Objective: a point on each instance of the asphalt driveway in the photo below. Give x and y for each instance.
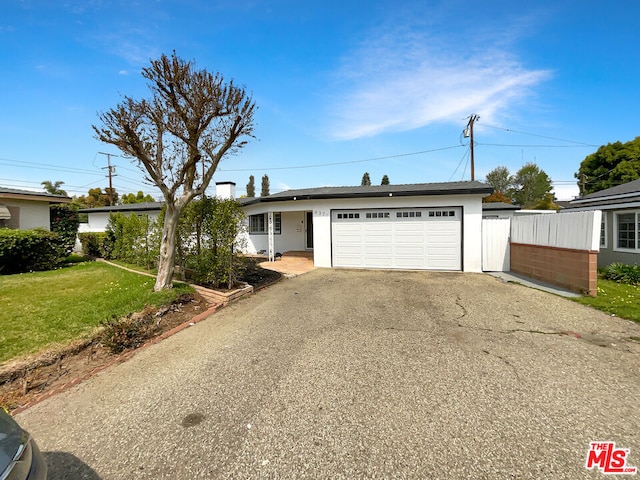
(355, 374)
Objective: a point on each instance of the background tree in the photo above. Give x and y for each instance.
(192, 120)
(546, 203)
(265, 186)
(385, 180)
(95, 197)
(500, 179)
(251, 187)
(496, 197)
(530, 185)
(612, 164)
(140, 197)
(53, 187)
(366, 180)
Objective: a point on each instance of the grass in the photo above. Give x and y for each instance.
(617, 298)
(41, 309)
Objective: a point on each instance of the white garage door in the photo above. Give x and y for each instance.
(415, 238)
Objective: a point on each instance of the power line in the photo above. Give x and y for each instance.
(344, 162)
(531, 146)
(540, 136)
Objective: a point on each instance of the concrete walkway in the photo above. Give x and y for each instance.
(291, 263)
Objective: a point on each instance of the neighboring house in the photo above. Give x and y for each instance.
(421, 226)
(499, 210)
(99, 216)
(24, 210)
(620, 227)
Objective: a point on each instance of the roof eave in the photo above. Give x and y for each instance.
(382, 194)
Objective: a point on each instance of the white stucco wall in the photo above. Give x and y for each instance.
(471, 227)
(291, 238)
(33, 214)
(98, 221)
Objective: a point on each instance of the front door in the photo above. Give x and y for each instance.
(309, 231)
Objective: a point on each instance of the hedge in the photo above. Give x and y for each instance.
(94, 244)
(30, 250)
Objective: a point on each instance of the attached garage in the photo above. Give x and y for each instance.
(403, 238)
(422, 226)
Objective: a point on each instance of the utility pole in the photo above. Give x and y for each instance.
(468, 133)
(583, 184)
(111, 174)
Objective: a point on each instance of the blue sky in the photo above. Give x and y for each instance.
(341, 87)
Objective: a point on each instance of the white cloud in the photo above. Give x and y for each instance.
(123, 72)
(406, 80)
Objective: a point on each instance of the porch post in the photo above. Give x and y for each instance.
(272, 253)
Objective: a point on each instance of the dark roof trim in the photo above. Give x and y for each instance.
(130, 207)
(378, 191)
(626, 190)
(500, 206)
(16, 194)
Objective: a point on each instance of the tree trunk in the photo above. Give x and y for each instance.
(167, 259)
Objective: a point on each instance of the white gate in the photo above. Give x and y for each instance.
(495, 244)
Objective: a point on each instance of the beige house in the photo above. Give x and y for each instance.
(24, 210)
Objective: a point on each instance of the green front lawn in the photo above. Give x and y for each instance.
(620, 299)
(41, 309)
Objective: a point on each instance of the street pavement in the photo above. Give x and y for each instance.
(360, 374)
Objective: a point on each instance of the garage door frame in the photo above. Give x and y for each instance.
(458, 233)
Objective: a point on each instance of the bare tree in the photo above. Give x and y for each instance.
(179, 136)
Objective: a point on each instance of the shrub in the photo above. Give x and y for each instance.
(94, 244)
(207, 243)
(122, 334)
(30, 250)
(65, 222)
(622, 273)
(135, 239)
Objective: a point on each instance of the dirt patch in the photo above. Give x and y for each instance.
(27, 380)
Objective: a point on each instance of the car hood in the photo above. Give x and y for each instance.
(11, 437)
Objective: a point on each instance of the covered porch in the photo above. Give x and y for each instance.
(272, 233)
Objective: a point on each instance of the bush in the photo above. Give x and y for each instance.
(622, 273)
(122, 334)
(135, 239)
(207, 241)
(65, 222)
(30, 250)
(94, 244)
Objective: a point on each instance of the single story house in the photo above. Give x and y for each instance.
(620, 227)
(499, 210)
(98, 217)
(24, 210)
(420, 226)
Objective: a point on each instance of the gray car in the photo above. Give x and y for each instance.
(20, 457)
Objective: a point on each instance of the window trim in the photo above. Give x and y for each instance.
(616, 215)
(277, 224)
(604, 240)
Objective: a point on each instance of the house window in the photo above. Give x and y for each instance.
(627, 231)
(603, 230)
(259, 223)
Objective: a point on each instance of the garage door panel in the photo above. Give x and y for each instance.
(421, 238)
